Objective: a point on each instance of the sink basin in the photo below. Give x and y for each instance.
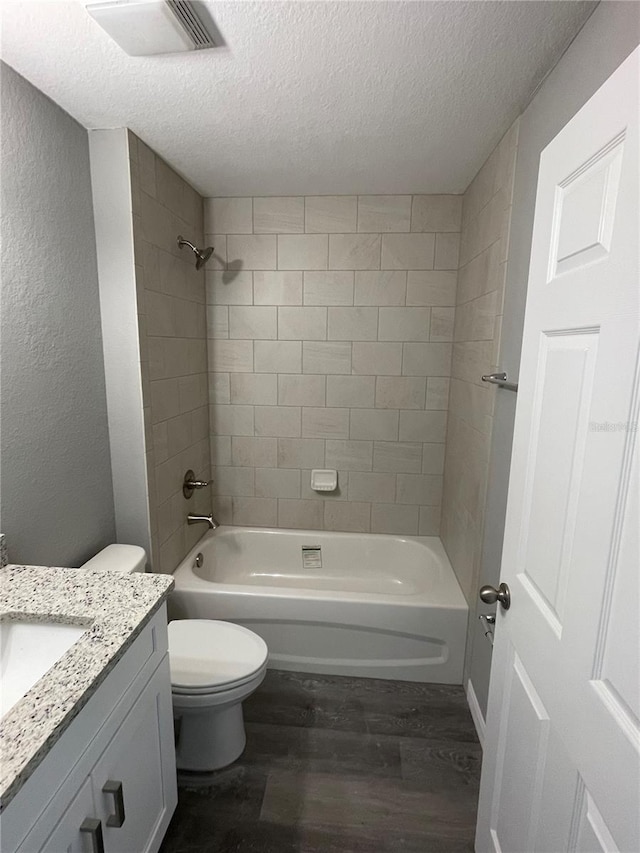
(27, 651)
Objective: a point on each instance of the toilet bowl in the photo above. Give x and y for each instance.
(214, 667)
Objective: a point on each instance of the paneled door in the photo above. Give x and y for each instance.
(562, 752)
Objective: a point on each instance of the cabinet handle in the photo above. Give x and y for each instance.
(93, 827)
(115, 788)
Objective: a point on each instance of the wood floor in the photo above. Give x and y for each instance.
(340, 765)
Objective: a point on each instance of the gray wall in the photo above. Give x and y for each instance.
(608, 37)
(56, 493)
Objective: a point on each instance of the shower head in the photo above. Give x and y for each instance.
(202, 255)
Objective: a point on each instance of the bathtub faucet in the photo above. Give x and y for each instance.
(192, 518)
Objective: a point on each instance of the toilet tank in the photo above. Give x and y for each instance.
(118, 558)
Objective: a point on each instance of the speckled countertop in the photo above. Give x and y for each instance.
(115, 608)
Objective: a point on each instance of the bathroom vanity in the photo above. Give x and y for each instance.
(87, 760)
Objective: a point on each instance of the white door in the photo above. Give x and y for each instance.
(562, 751)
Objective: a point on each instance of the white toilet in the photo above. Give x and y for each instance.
(214, 666)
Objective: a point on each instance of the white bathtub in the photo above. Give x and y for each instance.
(379, 606)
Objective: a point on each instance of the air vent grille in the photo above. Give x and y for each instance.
(191, 23)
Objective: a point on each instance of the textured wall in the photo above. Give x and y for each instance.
(173, 350)
(481, 279)
(330, 322)
(57, 500)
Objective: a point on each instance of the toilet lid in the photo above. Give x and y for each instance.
(207, 653)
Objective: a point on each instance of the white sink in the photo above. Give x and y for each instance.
(27, 651)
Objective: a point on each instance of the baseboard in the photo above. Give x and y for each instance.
(476, 713)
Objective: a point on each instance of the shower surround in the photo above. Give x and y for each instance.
(330, 328)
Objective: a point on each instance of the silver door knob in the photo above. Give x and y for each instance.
(489, 594)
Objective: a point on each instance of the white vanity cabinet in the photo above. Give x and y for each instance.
(109, 784)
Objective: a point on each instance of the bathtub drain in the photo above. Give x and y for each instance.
(311, 557)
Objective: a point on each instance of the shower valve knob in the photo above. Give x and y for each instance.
(189, 484)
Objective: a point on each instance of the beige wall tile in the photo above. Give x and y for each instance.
(326, 357)
(349, 455)
(419, 489)
(250, 452)
(252, 252)
(387, 287)
(277, 288)
(380, 213)
(426, 359)
(348, 516)
(219, 388)
(433, 459)
(229, 215)
(374, 425)
(431, 287)
(302, 252)
(423, 426)
(397, 457)
(373, 487)
(217, 321)
(437, 393)
(231, 356)
(400, 392)
(253, 323)
(255, 512)
(277, 483)
(354, 252)
(394, 519)
(231, 420)
(441, 328)
(331, 214)
(278, 421)
(300, 453)
(254, 389)
(283, 215)
(227, 288)
(353, 324)
(408, 251)
(300, 515)
(436, 213)
(351, 391)
(302, 324)
(429, 521)
(404, 324)
(447, 247)
(301, 390)
(325, 423)
(328, 288)
(380, 359)
(233, 481)
(278, 356)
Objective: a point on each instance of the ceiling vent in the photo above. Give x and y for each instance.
(151, 27)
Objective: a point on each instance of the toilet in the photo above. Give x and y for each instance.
(214, 666)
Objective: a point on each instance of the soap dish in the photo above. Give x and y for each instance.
(324, 480)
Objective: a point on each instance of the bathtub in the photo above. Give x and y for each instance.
(335, 603)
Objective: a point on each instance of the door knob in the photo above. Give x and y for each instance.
(489, 594)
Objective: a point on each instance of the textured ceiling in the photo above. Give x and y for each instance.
(308, 97)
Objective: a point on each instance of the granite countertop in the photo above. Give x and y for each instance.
(114, 607)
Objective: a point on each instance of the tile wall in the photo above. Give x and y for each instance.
(484, 243)
(330, 322)
(173, 349)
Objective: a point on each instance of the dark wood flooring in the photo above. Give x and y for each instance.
(339, 765)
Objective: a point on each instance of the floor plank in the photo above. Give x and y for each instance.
(339, 764)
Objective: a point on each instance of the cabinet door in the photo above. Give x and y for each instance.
(67, 837)
(137, 769)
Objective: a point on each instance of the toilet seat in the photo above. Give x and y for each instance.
(208, 656)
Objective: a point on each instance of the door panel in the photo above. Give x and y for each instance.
(561, 769)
